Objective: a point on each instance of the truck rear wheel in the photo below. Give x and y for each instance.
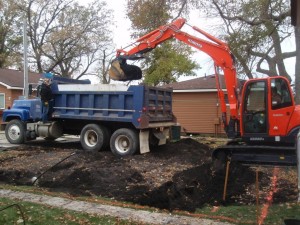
(124, 142)
(94, 137)
(15, 132)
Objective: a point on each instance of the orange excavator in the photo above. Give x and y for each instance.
(261, 128)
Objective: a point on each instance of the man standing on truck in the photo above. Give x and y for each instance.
(46, 96)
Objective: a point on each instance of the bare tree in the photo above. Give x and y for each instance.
(105, 65)
(66, 37)
(10, 34)
(255, 31)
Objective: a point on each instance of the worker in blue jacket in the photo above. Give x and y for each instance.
(46, 96)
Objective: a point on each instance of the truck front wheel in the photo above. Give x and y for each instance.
(124, 142)
(15, 132)
(93, 137)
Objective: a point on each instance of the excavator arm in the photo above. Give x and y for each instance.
(215, 48)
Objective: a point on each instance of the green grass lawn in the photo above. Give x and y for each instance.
(40, 214)
(248, 214)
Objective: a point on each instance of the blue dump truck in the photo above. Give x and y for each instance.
(125, 118)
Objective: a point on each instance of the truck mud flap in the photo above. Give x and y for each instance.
(161, 136)
(144, 135)
(144, 141)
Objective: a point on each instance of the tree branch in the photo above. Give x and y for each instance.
(181, 9)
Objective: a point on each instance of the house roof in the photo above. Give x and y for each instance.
(14, 79)
(207, 83)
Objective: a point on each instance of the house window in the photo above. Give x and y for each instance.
(2, 101)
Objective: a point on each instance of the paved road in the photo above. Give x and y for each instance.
(4, 144)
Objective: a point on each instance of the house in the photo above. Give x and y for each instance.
(11, 86)
(196, 105)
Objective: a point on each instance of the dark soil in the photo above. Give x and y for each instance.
(175, 176)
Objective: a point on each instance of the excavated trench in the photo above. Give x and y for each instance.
(175, 176)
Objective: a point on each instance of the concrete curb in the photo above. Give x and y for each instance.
(107, 210)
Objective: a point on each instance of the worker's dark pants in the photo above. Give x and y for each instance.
(46, 110)
(50, 111)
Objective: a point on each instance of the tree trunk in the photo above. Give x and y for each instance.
(297, 67)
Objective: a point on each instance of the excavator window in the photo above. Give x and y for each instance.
(280, 95)
(254, 116)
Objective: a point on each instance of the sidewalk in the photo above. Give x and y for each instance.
(107, 210)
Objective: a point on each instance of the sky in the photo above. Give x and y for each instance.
(122, 23)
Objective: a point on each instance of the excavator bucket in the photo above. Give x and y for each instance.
(121, 71)
(115, 72)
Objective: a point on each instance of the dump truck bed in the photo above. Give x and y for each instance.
(139, 104)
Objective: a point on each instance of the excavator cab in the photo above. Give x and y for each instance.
(266, 109)
(269, 124)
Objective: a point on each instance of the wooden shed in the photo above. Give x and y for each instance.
(196, 105)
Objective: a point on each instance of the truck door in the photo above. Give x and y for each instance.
(280, 107)
(254, 108)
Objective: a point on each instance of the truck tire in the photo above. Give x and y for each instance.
(94, 137)
(124, 142)
(15, 132)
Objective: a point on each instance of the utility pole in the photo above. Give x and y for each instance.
(295, 16)
(295, 19)
(25, 44)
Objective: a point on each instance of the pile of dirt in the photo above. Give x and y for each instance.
(174, 176)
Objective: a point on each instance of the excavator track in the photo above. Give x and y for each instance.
(257, 154)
